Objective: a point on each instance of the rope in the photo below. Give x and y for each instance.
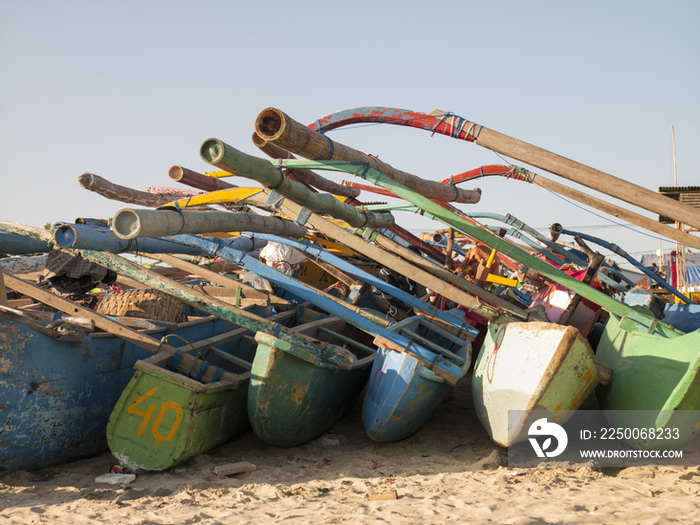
(177, 209)
(202, 370)
(363, 175)
(444, 116)
(218, 372)
(174, 361)
(332, 148)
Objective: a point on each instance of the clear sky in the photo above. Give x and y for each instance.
(127, 89)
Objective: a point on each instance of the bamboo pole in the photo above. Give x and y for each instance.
(221, 155)
(130, 224)
(308, 176)
(279, 129)
(521, 174)
(196, 298)
(393, 255)
(615, 211)
(115, 192)
(197, 180)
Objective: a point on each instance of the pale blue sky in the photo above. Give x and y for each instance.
(127, 89)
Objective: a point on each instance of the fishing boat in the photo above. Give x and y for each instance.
(188, 409)
(403, 392)
(165, 415)
(647, 344)
(44, 428)
(60, 388)
(447, 370)
(294, 396)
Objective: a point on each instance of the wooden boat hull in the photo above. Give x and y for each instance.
(401, 396)
(656, 383)
(164, 417)
(58, 393)
(531, 366)
(293, 396)
(403, 392)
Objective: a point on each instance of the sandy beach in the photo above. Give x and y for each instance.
(449, 472)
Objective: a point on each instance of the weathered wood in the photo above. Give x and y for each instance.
(229, 469)
(575, 171)
(279, 129)
(128, 223)
(594, 263)
(335, 272)
(197, 180)
(448, 251)
(3, 295)
(616, 211)
(141, 340)
(115, 192)
(436, 280)
(222, 280)
(309, 177)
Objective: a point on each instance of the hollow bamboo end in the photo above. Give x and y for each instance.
(212, 151)
(269, 123)
(258, 141)
(126, 224)
(176, 173)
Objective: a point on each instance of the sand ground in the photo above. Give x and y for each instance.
(449, 472)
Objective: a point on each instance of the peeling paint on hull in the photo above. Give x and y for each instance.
(294, 397)
(57, 395)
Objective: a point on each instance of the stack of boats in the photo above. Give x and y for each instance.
(342, 305)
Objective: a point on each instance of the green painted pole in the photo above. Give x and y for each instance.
(225, 157)
(439, 213)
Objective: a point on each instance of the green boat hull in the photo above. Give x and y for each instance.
(164, 418)
(294, 396)
(656, 383)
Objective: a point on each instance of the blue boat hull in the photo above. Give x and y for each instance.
(401, 396)
(58, 394)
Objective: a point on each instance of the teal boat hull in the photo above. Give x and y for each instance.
(294, 396)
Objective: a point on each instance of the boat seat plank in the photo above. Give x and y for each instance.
(347, 340)
(412, 335)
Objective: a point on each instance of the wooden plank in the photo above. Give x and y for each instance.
(435, 281)
(219, 279)
(580, 173)
(141, 340)
(3, 295)
(617, 211)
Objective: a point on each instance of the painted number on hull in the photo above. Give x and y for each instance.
(148, 415)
